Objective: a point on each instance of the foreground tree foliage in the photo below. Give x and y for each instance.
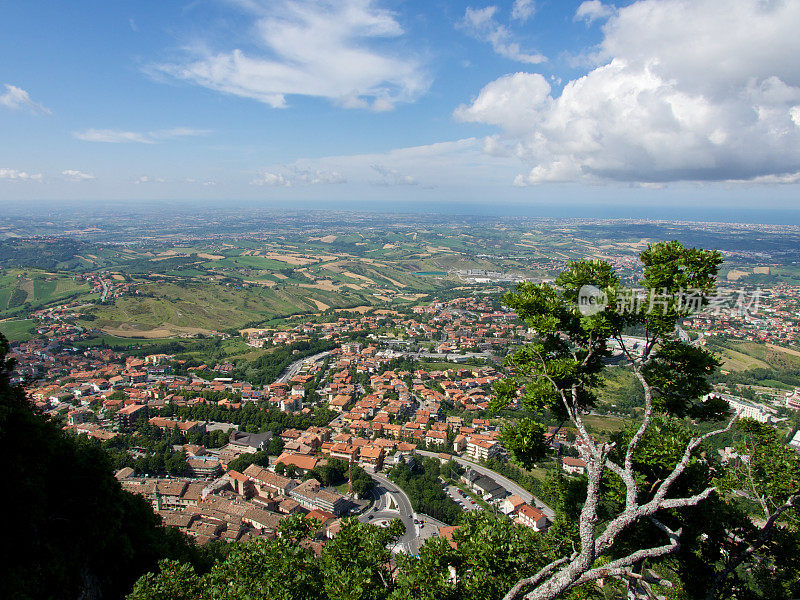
(487, 555)
(71, 531)
(643, 490)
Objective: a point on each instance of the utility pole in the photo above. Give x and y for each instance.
(350, 476)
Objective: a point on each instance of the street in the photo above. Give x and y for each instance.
(295, 367)
(392, 503)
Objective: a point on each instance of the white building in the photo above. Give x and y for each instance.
(793, 399)
(746, 408)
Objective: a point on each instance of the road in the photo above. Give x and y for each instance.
(105, 290)
(294, 368)
(392, 503)
(509, 485)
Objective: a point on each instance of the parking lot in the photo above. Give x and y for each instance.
(463, 500)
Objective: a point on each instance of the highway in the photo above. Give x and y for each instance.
(511, 486)
(392, 503)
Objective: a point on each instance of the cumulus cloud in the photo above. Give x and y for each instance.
(391, 177)
(117, 136)
(18, 99)
(683, 90)
(74, 175)
(334, 50)
(593, 10)
(297, 176)
(15, 175)
(480, 23)
(148, 179)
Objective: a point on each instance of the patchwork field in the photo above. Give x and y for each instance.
(31, 290)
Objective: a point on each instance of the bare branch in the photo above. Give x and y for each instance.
(693, 444)
(616, 568)
(760, 497)
(531, 581)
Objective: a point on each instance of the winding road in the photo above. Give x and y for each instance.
(392, 503)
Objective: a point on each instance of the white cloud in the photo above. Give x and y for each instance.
(271, 179)
(593, 10)
(116, 136)
(74, 175)
(480, 23)
(15, 175)
(297, 176)
(523, 10)
(391, 177)
(334, 50)
(18, 99)
(148, 179)
(683, 90)
(460, 164)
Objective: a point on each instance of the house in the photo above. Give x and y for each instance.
(241, 483)
(193, 493)
(339, 402)
(447, 533)
(483, 449)
(311, 496)
(371, 455)
(204, 466)
(262, 520)
(130, 416)
(344, 451)
(301, 462)
(531, 517)
(171, 424)
(486, 486)
(573, 466)
(436, 438)
(168, 494)
(268, 484)
(511, 504)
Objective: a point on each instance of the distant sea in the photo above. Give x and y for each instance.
(567, 210)
(547, 210)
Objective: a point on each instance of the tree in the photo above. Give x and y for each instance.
(767, 473)
(74, 532)
(487, 555)
(352, 566)
(575, 321)
(240, 463)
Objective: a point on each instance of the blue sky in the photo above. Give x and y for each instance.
(521, 101)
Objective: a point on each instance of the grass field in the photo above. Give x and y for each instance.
(744, 355)
(175, 308)
(18, 331)
(604, 425)
(36, 289)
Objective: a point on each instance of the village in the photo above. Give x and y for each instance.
(221, 458)
(367, 412)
